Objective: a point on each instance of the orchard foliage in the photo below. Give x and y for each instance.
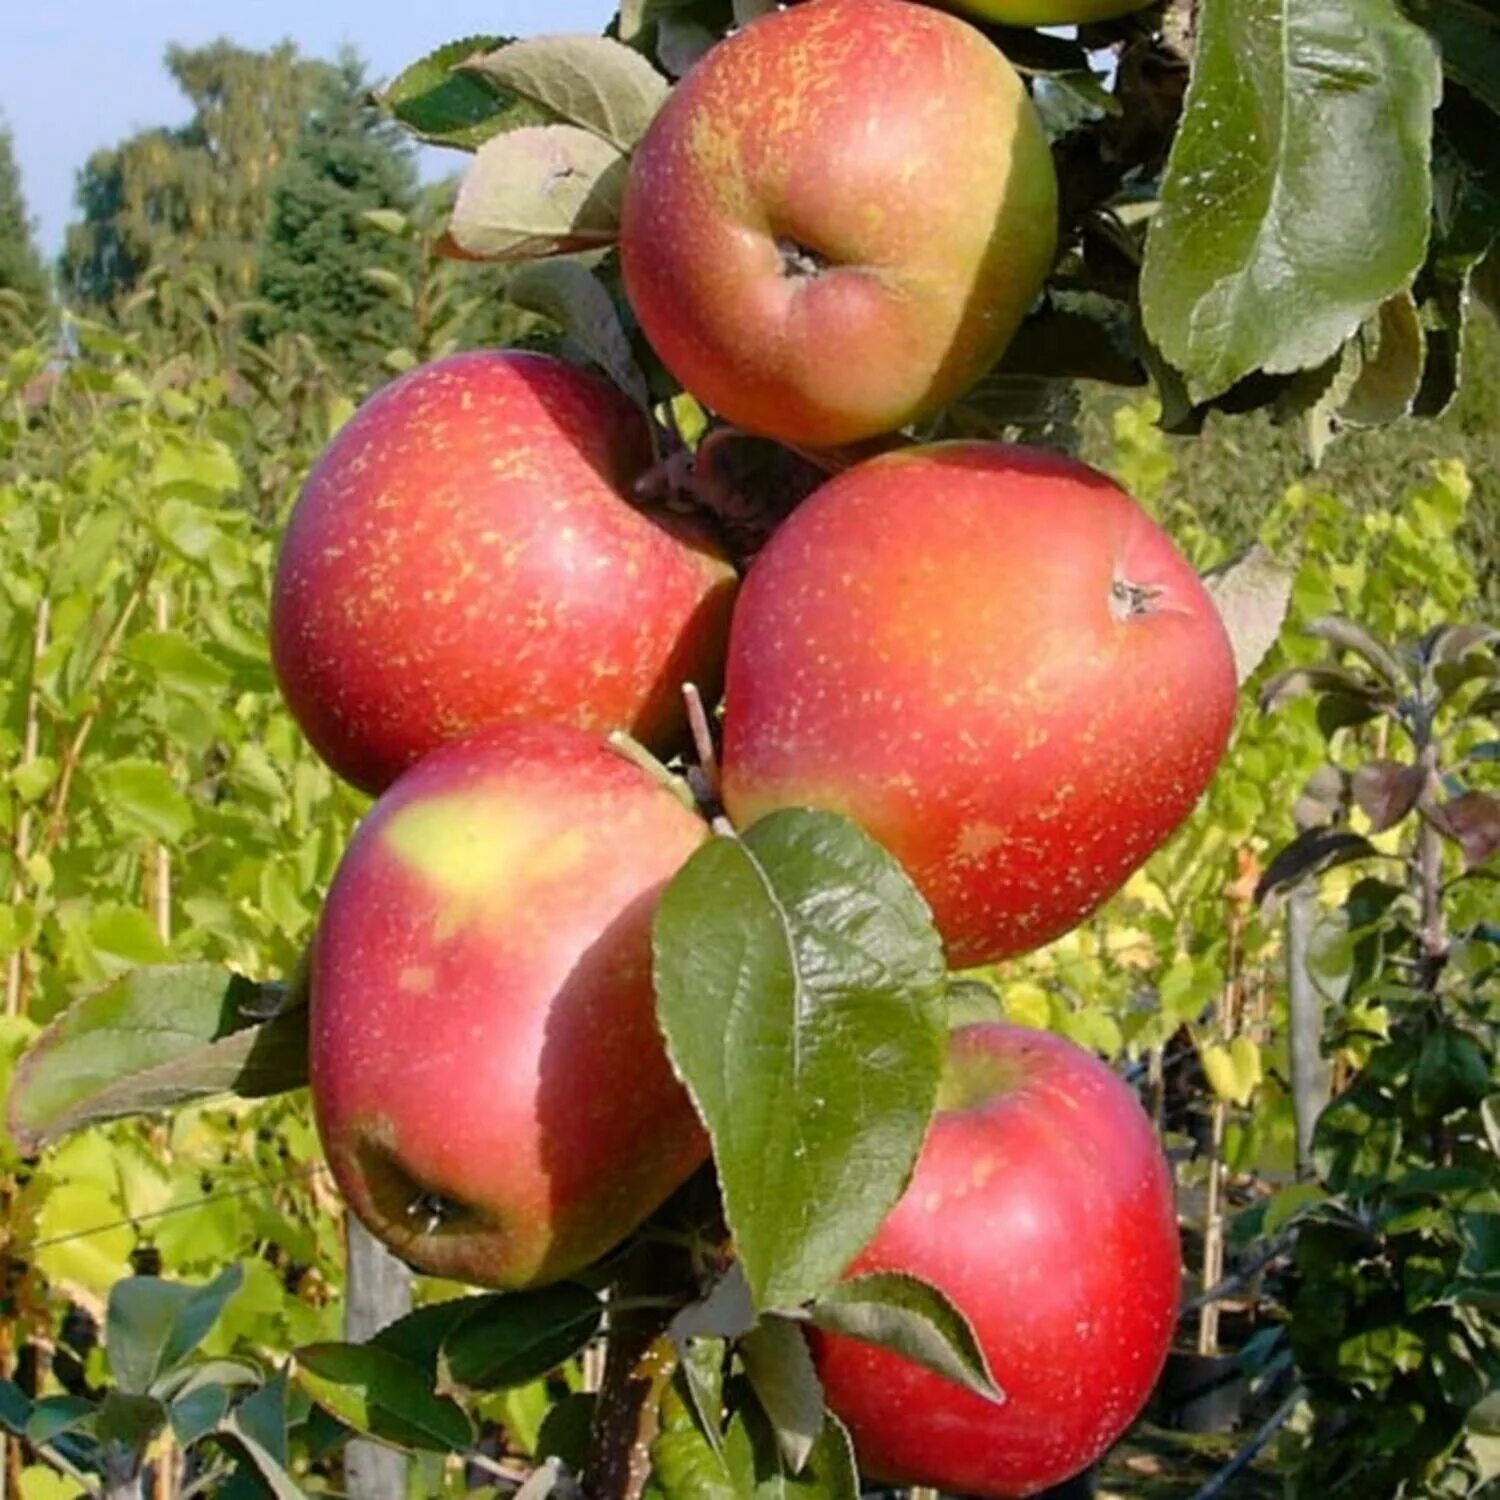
(1290, 209)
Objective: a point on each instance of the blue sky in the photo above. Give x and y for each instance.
(79, 74)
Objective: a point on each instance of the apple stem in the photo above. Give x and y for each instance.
(638, 755)
(703, 741)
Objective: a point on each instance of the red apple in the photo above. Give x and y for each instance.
(488, 1080)
(1042, 1206)
(464, 550)
(993, 660)
(838, 218)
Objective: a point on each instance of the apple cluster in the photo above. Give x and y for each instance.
(988, 657)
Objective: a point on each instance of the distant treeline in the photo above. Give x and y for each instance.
(263, 201)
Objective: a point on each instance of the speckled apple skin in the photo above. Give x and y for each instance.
(1045, 1211)
(463, 550)
(898, 144)
(930, 646)
(483, 1025)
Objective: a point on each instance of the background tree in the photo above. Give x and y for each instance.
(197, 196)
(348, 161)
(20, 264)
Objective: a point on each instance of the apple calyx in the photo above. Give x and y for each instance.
(1127, 599)
(798, 262)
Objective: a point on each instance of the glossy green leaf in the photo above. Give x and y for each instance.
(153, 1039)
(800, 986)
(438, 101)
(512, 1338)
(1310, 853)
(381, 1395)
(913, 1318)
(592, 82)
(1297, 192)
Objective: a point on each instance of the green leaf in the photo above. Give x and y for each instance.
(1469, 36)
(1313, 851)
(1296, 682)
(592, 82)
(575, 299)
(701, 1362)
(1345, 635)
(916, 1320)
(379, 1394)
(687, 1463)
(760, 1471)
(89, 551)
(258, 1425)
(780, 1368)
(189, 529)
(1297, 193)
(1233, 1069)
(389, 221)
(176, 660)
(1452, 1073)
(1252, 593)
(15, 1407)
(141, 797)
(446, 106)
(152, 1325)
(197, 1413)
(394, 286)
(54, 1415)
(418, 1336)
(541, 190)
(1393, 350)
(205, 467)
(800, 986)
(971, 1000)
(132, 1422)
(33, 779)
(153, 1039)
(565, 1429)
(517, 1337)
(229, 1373)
